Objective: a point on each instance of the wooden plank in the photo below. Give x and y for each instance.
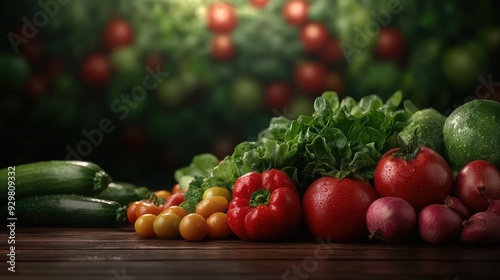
(256, 269)
(268, 253)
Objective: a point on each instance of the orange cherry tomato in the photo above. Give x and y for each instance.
(217, 226)
(176, 210)
(193, 227)
(212, 205)
(167, 225)
(144, 226)
(176, 189)
(163, 194)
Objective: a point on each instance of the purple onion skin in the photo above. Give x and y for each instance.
(458, 206)
(438, 224)
(482, 228)
(494, 206)
(391, 219)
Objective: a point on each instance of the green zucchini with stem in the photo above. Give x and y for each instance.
(52, 177)
(124, 193)
(63, 210)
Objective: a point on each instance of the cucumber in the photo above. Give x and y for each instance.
(124, 193)
(53, 177)
(66, 211)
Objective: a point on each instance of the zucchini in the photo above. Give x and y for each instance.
(124, 193)
(54, 177)
(67, 211)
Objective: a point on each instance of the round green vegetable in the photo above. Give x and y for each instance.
(471, 133)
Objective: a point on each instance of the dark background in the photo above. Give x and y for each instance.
(53, 94)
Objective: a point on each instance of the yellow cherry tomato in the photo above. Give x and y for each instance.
(217, 191)
(167, 225)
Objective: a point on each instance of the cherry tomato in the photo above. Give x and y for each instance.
(131, 216)
(36, 86)
(118, 33)
(147, 208)
(144, 226)
(314, 36)
(311, 78)
(217, 191)
(32, 50)
(332, 52)
(163, 194)
(221, 17)
(259, 3)
(96, 70)
(176, 189)
(167, 225)
(134, 137)
(193, 227)
(174, 200)
(390, 45)
(222, 47)
(217, 226)
(212, 205)
(335, 82)
(295, 12)
(278, 95)
(176, 210)
(155, 61)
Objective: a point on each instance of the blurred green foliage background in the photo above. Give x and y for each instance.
(140, 87)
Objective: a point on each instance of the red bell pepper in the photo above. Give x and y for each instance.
(265, 206)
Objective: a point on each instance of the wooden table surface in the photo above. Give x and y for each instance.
(119, 254)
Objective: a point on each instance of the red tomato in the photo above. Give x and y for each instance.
(335, 210)
(390, 45)
(311, 78)
(36, 87)
(278, 95)
(314, 36)
(335, 82)
(146, 207)
(131, 216)
(259, 3)
(96, 70)
(32, 50)
(133, 137)
(222, 47)
(295, 12)
(155, 61)
(54, 69)
(332, 52)
(118, 33)
(221, 17)
(426, 179)
(174, 200)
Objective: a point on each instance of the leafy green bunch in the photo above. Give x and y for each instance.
(341, 139)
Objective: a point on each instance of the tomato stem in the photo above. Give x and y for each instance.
(408, 150)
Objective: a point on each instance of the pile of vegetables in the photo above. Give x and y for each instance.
(367, 169)
(352, 171)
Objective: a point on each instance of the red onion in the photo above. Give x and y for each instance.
(476, 183)
(481, 228)
(391, 219)
(438, 224)
(494, 206)
(456, 205)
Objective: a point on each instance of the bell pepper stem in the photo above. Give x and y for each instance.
(259, 197)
